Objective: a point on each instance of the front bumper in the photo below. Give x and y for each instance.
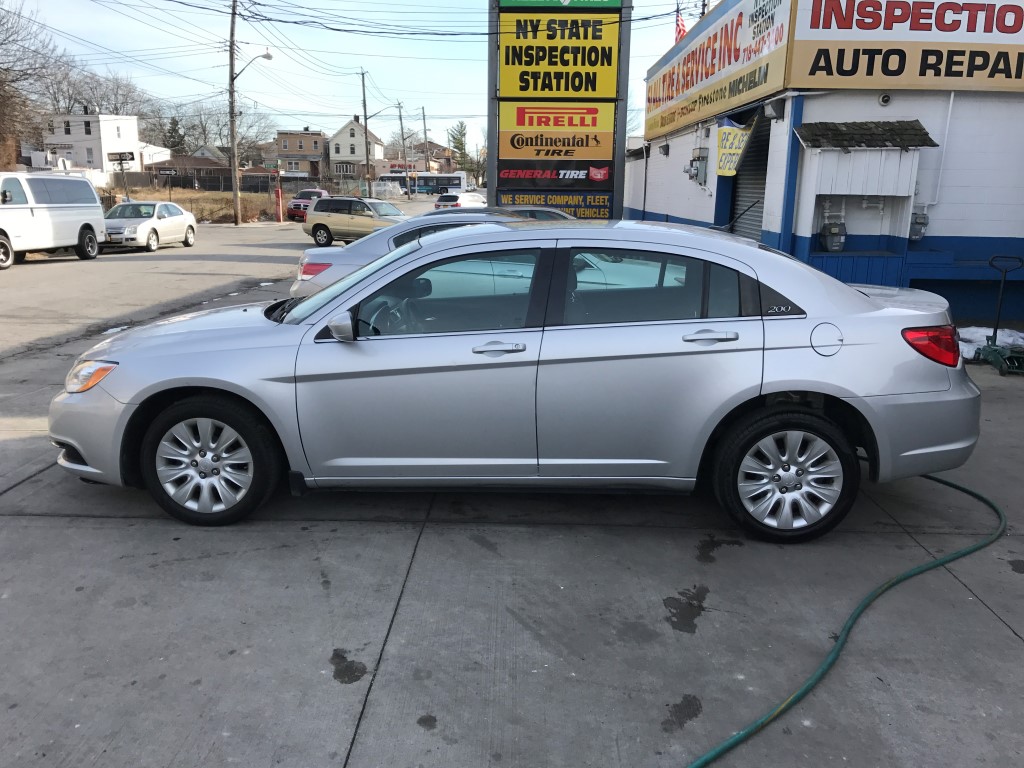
(87, 428)
(124, 240)
(918, 434)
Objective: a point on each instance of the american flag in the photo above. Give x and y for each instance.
(680, 26)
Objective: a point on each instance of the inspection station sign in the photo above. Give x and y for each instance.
(890, 44)
(538, 130)
(734, 55)
(558, 54)
(589, 5)
(557, 67)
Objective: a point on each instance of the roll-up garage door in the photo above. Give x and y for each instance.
(751, 178)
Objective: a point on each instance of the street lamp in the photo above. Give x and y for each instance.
(235, 182)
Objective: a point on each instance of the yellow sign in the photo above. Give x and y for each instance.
(552, 55)
(735, 55)
(732, 140)
(538, 130)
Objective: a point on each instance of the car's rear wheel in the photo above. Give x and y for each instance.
(190, 237)
(208, 460)
(88, 246)
(152, 241)
(786, 477)
(6, 253)
(322, 236)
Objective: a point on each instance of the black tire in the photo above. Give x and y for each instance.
(251, 482)
(7, 257)
(442, 191)
(88, 246)
(322, 236)
(152, 241)
(190, 237)
(804, 478)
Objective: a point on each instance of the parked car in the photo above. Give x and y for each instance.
(540, 212)
(460, 200)
(147, 224)
(474, 358)
(46, 211)
(348, 218)
(319, 267)
(297, 206)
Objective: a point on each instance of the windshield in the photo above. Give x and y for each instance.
(385, 209)
(130, 211)
(313, 303)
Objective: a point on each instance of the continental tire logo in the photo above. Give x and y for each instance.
(523, 141)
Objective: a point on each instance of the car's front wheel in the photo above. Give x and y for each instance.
(786, 477)
(88, 246)
(209, 460)
(152, 241)
(190, 237)
(322, 236)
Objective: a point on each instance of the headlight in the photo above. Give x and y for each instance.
(87, 375)
(130, 231)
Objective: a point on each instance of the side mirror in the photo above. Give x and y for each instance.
(6, 197)
(340, 327)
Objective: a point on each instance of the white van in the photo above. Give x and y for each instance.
(43, 211)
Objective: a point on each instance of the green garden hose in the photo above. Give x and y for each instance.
(789, 702)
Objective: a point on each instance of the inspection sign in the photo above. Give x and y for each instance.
(558, 54)
(557, 119)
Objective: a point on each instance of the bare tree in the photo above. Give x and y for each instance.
(25, 50)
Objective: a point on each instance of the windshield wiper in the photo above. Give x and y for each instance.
(278, 314)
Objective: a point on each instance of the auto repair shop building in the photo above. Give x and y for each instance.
(878, 141)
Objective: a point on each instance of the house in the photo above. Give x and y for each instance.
(301, 153)
(212, 152)
(440, 158)
(189, 165)
(86, 141)
(348, 150)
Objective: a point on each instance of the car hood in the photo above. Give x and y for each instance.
(211, 327)
(127, 222)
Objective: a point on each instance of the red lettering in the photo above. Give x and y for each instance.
(942, 13)
(921, 17)
(869, 15)
(896, 13)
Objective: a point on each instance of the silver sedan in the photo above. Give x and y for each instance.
(578, 355)
(148, 224)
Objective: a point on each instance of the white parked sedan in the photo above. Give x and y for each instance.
(147, 224)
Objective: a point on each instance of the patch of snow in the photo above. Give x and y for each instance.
(114, 330)
(263, 284)
(972, 338)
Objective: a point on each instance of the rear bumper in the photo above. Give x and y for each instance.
(927, 432)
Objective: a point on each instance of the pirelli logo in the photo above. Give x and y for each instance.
(556, 117)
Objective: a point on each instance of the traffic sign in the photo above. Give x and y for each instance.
(168, 171)
(120, 156)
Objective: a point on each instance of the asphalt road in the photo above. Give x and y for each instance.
(460, 629)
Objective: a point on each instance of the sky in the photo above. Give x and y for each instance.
(430, 57)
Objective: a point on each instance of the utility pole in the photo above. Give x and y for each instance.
(233, 134)
(405, 157)
(366, 137)
(426, 168)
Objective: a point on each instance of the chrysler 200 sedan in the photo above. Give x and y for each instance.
(482, 358)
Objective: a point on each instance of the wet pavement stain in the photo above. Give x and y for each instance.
(325, 583)
(636, 632)
(682, 713)
(422, 674)
(1017, 565)
(427, 722)
(346, 672)
(707, 547)
(484, 542)
(684, 610)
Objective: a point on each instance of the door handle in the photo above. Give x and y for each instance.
(495, 348)
(708, 337)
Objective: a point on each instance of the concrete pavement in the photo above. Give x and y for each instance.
(453, 629)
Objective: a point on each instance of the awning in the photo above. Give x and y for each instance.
(894, 134)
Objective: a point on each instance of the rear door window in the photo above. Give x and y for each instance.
(17, 193)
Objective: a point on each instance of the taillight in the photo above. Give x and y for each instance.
(311, 269)
(937, 343)
(457, 205)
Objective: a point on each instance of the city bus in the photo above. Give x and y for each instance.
(428, 183)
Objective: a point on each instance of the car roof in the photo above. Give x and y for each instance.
(469, 211)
